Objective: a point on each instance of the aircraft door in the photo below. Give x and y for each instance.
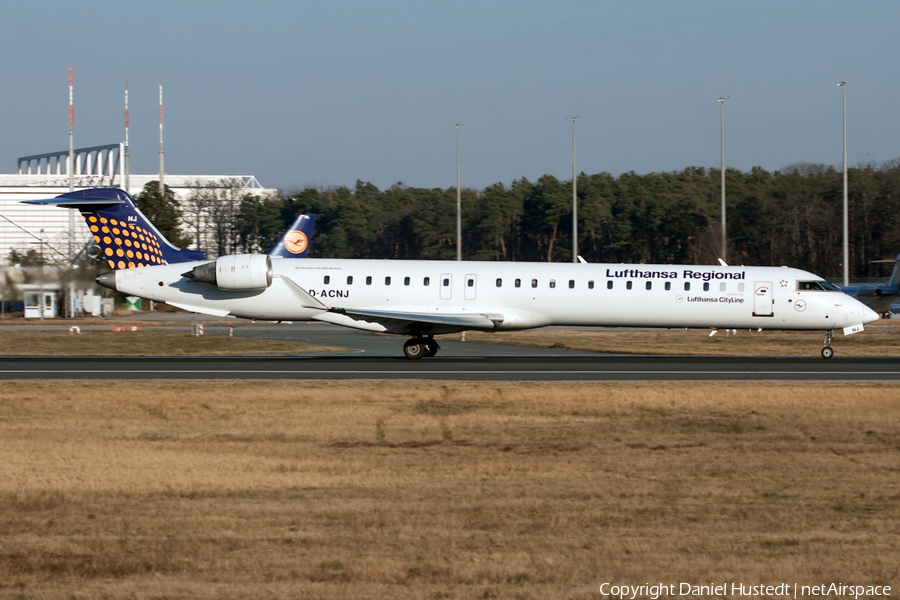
(471, 280)
(446, 286)
(762, 299)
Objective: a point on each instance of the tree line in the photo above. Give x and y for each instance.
(787, 217)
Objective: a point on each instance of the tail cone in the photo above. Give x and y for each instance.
(107, 280)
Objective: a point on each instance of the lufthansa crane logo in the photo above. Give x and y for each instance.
(296, 242)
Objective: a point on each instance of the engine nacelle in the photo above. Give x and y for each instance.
(235, 272)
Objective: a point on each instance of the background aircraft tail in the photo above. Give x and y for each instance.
(297, 239)
(894, 281)
(123, 236)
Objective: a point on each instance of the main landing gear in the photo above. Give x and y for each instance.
(827, 351)
(419, 347)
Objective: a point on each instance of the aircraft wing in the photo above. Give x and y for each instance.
(422, 323)
(413, 323)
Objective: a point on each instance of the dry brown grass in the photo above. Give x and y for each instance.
(142, 343)
(430, 490)
(879, 339)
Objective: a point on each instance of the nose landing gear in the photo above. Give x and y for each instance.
(419, 347)
(827, 351)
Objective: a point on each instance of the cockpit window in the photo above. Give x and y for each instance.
(816, 286)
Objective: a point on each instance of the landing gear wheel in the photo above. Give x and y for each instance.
(415, 348)
(431, 347)
(827, 352)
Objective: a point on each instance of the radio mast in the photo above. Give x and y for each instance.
(71, 166)
(126, 160)
(161, 169)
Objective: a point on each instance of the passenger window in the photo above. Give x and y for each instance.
(349, 279)
(387, 281)
(369, 280)
(406, 281)
(518, 283)
(446, 282)
(426, 281)
(591, 284)
(668, 285)
(609, 284)
(649, 285)
(722, 287)
(499, 282)
(706, 286)
(687, 286)
(327, 279)
(571, 284)
(628, 285)
(470, 283)
(552, 284)
(534, 283)
(740, 287)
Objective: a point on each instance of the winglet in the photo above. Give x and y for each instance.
(306, 300)
(723, 263)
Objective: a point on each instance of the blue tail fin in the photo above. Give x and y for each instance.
(297, 239)
(894, 281)
(124, 236)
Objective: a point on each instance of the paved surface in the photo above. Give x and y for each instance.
(368, 344)
(370, 356)
(513, 368)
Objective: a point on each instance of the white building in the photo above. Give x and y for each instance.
(60, 233)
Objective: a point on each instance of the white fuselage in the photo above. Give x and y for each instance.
(546, 294)
(516, 295)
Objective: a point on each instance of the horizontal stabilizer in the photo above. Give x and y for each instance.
(87, 204)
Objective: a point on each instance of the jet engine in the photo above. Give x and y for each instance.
(235, 272)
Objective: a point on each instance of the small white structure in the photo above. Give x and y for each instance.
(40, 300)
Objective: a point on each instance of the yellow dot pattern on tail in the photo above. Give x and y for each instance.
(131, 245)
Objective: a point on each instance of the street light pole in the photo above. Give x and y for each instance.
(724, 230)
(458, 201)
(574, 197)
(843, 86)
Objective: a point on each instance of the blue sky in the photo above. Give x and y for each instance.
(324, 93)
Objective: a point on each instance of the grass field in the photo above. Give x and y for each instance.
(429, 490)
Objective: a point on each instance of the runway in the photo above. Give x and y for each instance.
(483, 368)
(379, 357)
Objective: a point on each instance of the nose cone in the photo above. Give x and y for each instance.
(869, 315)
(108, 280)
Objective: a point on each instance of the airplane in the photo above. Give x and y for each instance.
(424, 298)
(880, 297)
(125, 238)
(421, 298)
